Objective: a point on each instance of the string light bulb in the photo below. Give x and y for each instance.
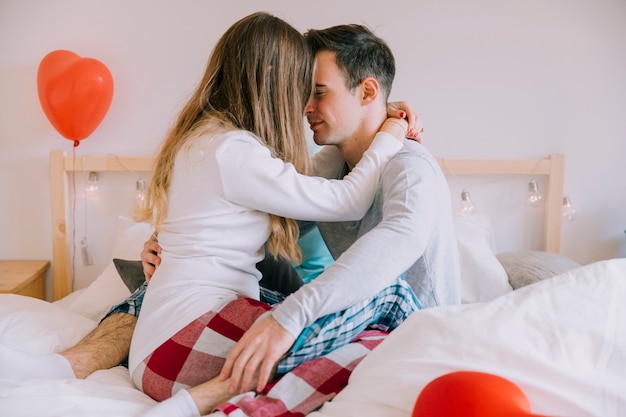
(467, 205)
(534, 196)
(140, 197)
(92, 183)
(569, 211)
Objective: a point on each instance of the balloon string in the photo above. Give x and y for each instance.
(73, 217)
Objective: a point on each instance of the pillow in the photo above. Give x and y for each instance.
(108, 289)
(483, 278)
(527, 267)
(38, 327)
(131, 273)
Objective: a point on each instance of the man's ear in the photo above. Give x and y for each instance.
(369, 89)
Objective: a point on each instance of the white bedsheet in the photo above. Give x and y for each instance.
(563, 341)
(107, 393)
(38, 327)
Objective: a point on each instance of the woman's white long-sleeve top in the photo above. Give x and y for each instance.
(223, 187)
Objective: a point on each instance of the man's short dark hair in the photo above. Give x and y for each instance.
(359, 54)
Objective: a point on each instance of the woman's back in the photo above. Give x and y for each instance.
(210, 244)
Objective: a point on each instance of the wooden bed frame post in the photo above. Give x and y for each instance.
(58, 203)
(554, 204)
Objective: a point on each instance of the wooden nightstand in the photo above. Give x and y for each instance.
(24, 278)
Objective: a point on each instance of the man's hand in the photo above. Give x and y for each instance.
(402, 110)
(150, 256)
(256, 355)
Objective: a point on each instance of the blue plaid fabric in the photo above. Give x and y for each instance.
(385, 311)
(270, 296)
(131, 305)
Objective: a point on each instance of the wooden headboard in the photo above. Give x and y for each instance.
(552, 167)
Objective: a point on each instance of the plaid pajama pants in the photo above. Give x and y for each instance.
(308, 386)
(197, 352)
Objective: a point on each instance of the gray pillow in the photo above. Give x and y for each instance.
(527, 267)
(131, 273)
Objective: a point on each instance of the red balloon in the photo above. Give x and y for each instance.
(472, 394)
(75, 93)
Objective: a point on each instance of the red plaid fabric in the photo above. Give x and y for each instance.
(197, 352)
(307, 386)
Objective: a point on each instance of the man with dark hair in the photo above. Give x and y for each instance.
(407, 233)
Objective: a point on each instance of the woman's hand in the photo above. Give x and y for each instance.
(402, 110)
(396, 127)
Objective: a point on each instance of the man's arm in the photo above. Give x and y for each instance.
(380, 255)
(372, 263)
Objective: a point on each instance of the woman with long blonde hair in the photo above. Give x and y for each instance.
(228, 182)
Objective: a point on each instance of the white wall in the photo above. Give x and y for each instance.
(491, 78)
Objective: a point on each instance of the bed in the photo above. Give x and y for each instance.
(534, 317)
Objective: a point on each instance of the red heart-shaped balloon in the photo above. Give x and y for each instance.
(75, 93)
(472, 394)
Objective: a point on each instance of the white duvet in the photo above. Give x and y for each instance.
(562, 341)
